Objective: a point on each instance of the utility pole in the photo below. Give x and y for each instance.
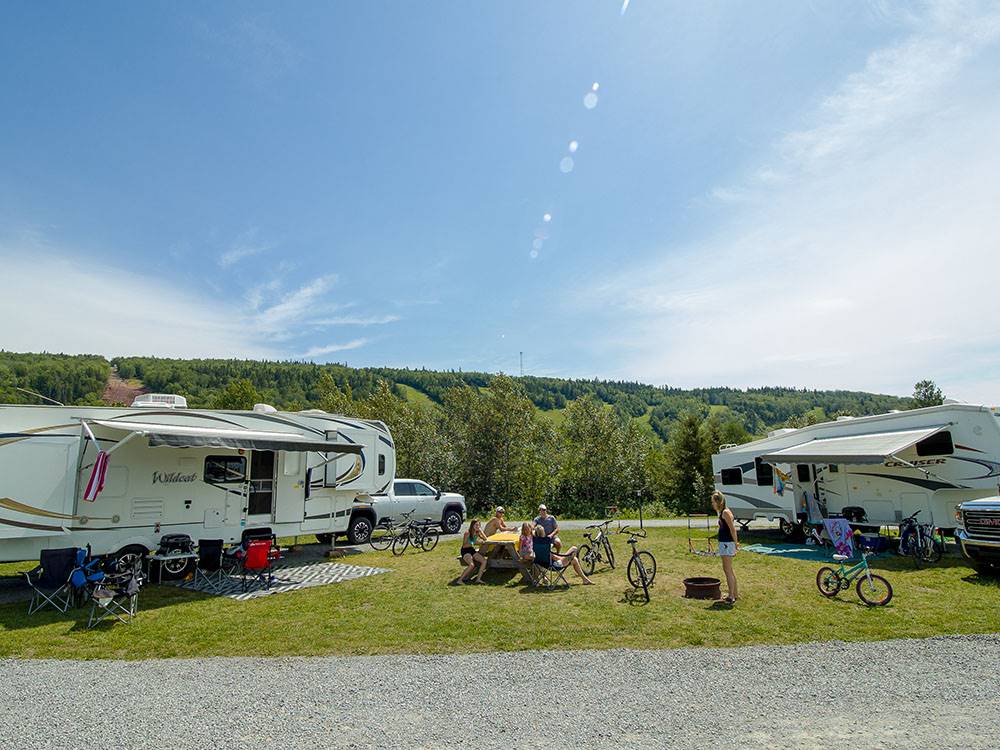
(522, 363)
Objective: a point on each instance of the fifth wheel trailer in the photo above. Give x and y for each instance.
(205, 473)
(875, 469)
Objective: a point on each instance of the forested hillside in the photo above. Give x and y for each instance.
(579, 445)
(294, 385)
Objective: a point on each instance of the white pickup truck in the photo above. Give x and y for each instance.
(979, 534)
(426, 502)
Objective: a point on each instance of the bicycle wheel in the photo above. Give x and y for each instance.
(609, 550)
(588, 559)
(648, 563)
(381, 539)
(828, 581)
(932, 549)
(875, 593)
(429, 540)
(400, 543)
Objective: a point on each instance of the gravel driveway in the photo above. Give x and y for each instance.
(941, 693)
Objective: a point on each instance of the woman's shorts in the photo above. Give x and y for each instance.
(727, 549)
(467, 551)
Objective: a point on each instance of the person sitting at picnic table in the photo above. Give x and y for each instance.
(525, 545)
(470, 555)
(569, 558)
(497, 523)
(551, 526)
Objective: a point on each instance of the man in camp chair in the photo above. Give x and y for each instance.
(550, 568)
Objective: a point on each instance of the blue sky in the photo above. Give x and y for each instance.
(760, 193)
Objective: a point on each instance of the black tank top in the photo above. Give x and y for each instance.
(725, 535)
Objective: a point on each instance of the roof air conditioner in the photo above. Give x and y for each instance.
(159, 401)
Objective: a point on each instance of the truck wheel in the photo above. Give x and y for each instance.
(787, 527)
(360, 530)
(177, 570)
(452, 522)
(130, 557)
(324, 538)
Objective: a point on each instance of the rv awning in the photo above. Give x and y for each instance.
(873, 448)
(184, 436)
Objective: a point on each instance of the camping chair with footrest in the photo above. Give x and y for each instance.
(117, 595)
(50, 579)
(549, 572)
(257, 562)
(209, 566)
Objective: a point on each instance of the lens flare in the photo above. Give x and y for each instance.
(590, 100)
(573, 146)
(566, 165)
(547, 218)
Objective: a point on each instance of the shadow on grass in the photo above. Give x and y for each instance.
(981, 579)
(635, 597)
(16, 617)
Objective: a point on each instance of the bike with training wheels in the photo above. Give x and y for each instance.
(598, 549)
(641, 565)
(873, 590)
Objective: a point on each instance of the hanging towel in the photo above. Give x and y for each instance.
(779, 484)
(97, 476)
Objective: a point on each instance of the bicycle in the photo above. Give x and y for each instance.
(873, 590)
(917, 540)
(390, 530)
(641, 565)
(599, 549)
(421, 534)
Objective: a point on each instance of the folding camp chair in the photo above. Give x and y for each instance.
(549, 572)
(117, 596)
(50, 579)
(256, 563)
(232, 559)
(86, 576)
(209, 567)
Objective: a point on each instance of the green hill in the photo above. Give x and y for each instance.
(294, 385)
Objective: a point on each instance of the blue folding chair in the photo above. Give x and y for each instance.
(551, 572)
(85, 576)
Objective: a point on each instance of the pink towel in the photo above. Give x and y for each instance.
(96, 483)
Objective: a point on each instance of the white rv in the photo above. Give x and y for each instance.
(873, 470)
(208, 474)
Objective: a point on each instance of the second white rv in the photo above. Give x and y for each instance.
(873, 470)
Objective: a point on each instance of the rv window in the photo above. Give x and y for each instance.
(732, 476)
(765, 474)
(381, 464)
(938, 444)
(802, 470)
(225, 469)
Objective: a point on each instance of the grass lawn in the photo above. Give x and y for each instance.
(413, 609)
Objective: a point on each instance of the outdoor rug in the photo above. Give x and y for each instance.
(795, 551)
(286, 578)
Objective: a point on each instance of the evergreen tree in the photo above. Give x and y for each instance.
(926, 393)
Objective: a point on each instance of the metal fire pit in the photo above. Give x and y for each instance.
(702, 588)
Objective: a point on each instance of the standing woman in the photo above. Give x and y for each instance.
(728, 543)
(470, 555)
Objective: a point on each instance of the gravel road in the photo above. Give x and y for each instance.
(940, 693)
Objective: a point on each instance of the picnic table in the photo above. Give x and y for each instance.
(500, 550)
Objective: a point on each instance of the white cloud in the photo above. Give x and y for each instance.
(318, 351)
(357, 320)
(295, 306)
(870, 255)
(59, 304)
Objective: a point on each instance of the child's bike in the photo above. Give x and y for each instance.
(873, 590)
(599, 548)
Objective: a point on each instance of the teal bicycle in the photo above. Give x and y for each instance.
(873, 590)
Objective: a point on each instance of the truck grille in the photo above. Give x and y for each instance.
(984, 524)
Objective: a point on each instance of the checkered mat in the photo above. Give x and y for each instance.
(286, 578)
